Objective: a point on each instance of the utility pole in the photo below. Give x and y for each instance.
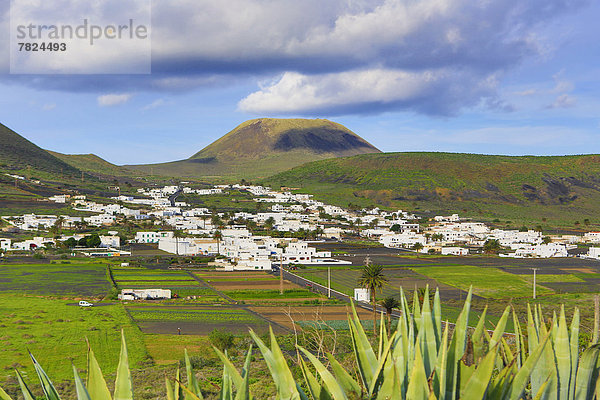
(534, 271)
(328, 282)
(281, 273)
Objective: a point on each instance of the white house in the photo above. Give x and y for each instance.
(110, 241)
(593, 253)
(454, 251)
(361, 294)
(5, 244)
(592, 237)
(144, 294)
(152, 237)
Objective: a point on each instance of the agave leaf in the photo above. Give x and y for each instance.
(345, 380)
(47, 386)
(440, 369)
(584, 387)
(4, 395)
(416, 309)
(477, 338)
(437, 316)
(243, 391)
(428, 336)
(317, 390)
(507, 352)
(457, 348)
(548, 363)
(82, 393)
(574, 346)
(500, 384)
(499, 331)
(383, 339)
(390, 384)
(226, 387)
(25, 391)
(418, 389)
(96, 385)
(188, 391)
(378, 376)
(169, 389)
(519, 382)
(562, 351)
(543, 389)
(365, 357)
(123, 384)
(282, 376)
(191, 377)
(479, 381)
(519, 341)
(236, 377)
(246, 368)
(178, 390)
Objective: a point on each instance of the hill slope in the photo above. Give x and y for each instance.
(265, 146)
(562, 189)
(18, 153)
(91, 163)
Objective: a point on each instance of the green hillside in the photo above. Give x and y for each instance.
(262, 147)
(92, 164)
(559, 190)
(18, 153)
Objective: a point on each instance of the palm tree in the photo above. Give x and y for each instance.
(373, 279)
(389, 303)
(218, 236)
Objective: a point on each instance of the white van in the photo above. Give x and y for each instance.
(84, 303)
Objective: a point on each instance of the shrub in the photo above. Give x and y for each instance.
(221, 339)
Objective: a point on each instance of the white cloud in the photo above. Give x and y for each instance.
(442, 91)
(49, 106)
(109, 100)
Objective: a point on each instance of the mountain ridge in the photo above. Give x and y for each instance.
(263, 146)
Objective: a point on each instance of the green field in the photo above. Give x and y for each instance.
(252, 294)
(87, 279)
(55, 333)
(487, 282)
(213, 316)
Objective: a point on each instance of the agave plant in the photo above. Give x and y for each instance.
(420, 360)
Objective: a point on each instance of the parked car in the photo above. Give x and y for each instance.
(84, 303)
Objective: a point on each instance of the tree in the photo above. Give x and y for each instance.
(269, 223)
(417, 247)
(93, 240)
(372, 278)
(218, 236)
(389, 303)
(70, 243)
(492, 246)
(523, 229)
(546, 240)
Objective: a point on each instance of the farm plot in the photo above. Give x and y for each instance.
(309, 314)
(255, 287)
(194, 320)
(345, 280)
(487, 282)
(60, 279)
(180, 283)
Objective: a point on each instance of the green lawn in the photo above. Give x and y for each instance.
(487, 282)
(55, 333)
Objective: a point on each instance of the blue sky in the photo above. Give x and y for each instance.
(481, 76)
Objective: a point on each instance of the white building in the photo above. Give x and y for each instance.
(592, 237)
(152, 237)
(454, 251)
(144, 294)
(361, 294)
(593, 253)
